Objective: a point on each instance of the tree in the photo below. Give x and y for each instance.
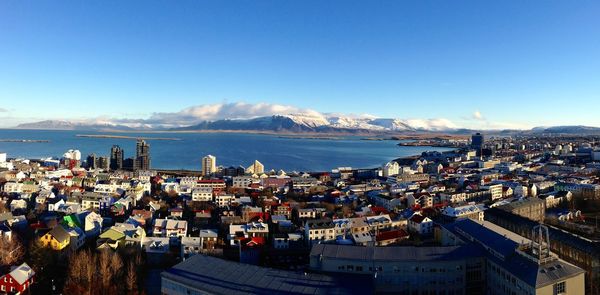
(80, 279)
(3, 208)
(103, 272)
(11, 251)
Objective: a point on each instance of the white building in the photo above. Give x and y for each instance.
(209, 165)
(170, 228)
(474, 212)
(256, 168)
(390, 169)
(420, 224)
(202, 194)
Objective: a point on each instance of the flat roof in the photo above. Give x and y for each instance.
(219, 276)
(400, 253)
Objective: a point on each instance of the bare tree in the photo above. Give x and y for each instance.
(3, 208)
(80, 279)
(131, 278)
(11, 251)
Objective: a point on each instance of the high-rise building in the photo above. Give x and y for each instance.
(92, 161)
(256, 168)
(103, 163)
(142, 155)
(477, 141)
(209, 165)
(116, 158)
(129, 164)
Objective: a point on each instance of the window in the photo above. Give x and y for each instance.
(560, 288)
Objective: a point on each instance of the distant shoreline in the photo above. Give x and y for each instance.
(316, 135)
(125, 137)
(25, 140)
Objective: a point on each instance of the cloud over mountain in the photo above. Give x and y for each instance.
(247, 116)
(222, 111)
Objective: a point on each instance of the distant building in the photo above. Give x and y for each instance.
(103, 163)
(532, 208)
(390, 169)
(92, 161)
(209, 165)
(256, 168)
(477, 141)
(116, 158)
(142, 156)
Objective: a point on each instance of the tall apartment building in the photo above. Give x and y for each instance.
(92, 161)
(116, 158)
(256, 168)
(209, 165)
(477, 141)
(142, 155)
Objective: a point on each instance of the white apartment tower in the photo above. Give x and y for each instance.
(209, 165)
(256, 167)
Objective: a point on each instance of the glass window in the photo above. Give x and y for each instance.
(560, 288)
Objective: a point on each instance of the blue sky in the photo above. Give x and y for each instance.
(517, 63)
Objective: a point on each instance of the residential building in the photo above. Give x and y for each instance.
(142, 155)
(57, 239)
(209, 165)
(116, 158)
(18, 280)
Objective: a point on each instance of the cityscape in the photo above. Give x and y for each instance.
(299, 147)
(494, 215)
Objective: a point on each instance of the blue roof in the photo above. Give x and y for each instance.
(489, 238)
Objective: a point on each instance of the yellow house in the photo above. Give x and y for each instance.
(57, 239)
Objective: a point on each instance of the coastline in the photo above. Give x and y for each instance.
(108, 136)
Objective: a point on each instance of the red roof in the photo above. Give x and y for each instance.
(392, 234)
(417, 218)
(378, 210)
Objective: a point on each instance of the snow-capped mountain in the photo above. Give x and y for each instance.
(313, 123)
(287, 123)
(276, 123)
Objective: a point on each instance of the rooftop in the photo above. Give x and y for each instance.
(218, 276)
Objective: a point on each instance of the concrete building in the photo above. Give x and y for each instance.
(142, 156)
(116, 158)
(406, 270)
(532, 208)
(390, 169)
(256, 168)
(202, 274)
(517, 267)
(474, 212)
(209, 165)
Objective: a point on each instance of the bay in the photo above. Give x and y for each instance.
(231, 149)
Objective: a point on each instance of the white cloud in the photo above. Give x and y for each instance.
(478, 116)
(219, 111)
(438, 124)
(241, 110)
(3, 110)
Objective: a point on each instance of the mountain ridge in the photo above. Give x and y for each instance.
(301, 123)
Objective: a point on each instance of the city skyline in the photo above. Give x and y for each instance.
(484, 65)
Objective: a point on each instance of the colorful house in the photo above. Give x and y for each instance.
(18, 280)
(57, 239)
(71, 221)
